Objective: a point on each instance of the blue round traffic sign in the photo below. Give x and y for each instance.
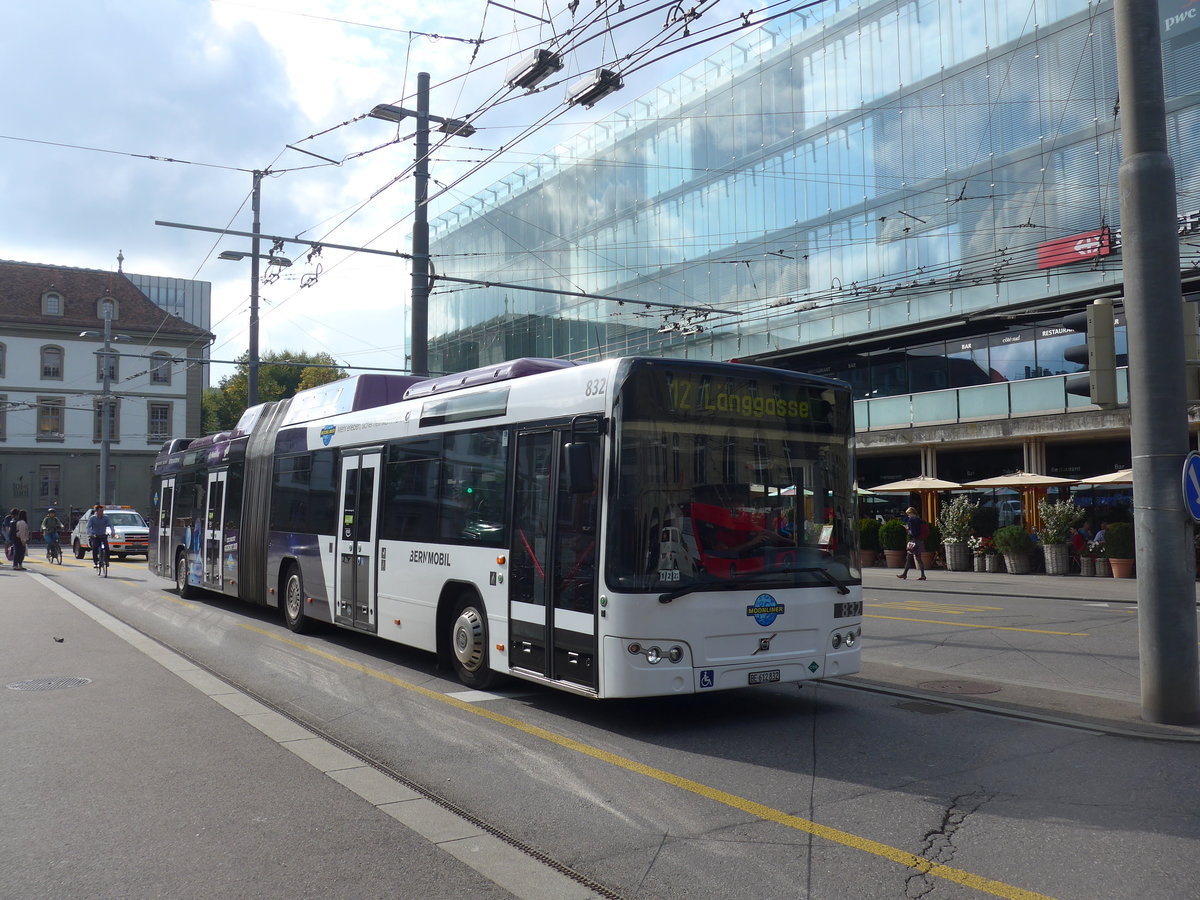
(1191, 485)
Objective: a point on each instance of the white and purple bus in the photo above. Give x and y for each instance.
(626, 528)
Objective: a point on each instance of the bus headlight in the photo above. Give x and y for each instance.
(851, 637)
(837, 640)
(675, 654)
(654, 656)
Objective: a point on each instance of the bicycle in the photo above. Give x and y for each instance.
(100, 562)
(53, 550)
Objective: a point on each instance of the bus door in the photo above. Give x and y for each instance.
(553, 569)
(354, 602)
(165, 545)
(214, 529)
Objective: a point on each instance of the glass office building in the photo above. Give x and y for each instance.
(907, 194)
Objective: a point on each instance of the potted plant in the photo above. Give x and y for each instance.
(954, 524)
(1119, 548)
(893, 537)
(868, 541)
(1016, 544)
(1058, 518)
(933, 545)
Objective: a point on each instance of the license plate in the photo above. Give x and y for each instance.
(764, 677)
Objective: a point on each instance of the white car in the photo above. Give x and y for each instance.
(132, 533)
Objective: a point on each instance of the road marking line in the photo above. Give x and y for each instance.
(969, 625)
(750, 807)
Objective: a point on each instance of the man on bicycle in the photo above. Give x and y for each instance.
(98, 527)
(51, 526)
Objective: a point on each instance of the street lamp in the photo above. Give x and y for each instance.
(420, 234)
(105, 398)
(235, 255)
(283, 262)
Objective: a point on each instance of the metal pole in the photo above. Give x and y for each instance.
(252, 370)
(420, 235)
(106, 379)
(1166, 583)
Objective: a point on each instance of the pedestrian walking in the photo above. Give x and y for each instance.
(20, 539)
(918, 530)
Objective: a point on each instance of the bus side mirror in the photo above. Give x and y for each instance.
(577, 462)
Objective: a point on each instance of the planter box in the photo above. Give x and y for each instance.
(895, 558)
(1017, 563)
(1058, 558)
(1121, 568)
(980, 562)
(958, 556)
(1103, 569)
(1087, 565)
(993, 562)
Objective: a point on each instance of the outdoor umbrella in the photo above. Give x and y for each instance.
(916, 483)
(925, 485)
(1027, 483)
(1019, 480)
(1123, 476)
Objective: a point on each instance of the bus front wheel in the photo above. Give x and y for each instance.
(293, 602)
(468, 644)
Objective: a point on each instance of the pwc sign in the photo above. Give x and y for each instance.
(1179, 16)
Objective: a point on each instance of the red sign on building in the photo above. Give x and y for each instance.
(1077, 247)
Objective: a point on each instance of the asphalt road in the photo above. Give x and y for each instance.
(827, 791)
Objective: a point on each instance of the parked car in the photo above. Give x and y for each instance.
(133, 534)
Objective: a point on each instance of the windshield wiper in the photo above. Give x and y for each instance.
(828, 576)
(744, 579)
(697, 588)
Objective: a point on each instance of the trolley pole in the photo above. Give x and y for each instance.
(1166, 587)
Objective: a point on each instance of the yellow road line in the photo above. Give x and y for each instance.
(750, 807)
(970, 625)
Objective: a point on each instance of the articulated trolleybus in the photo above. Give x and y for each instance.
(626, 528)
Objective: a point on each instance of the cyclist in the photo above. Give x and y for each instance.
(98, 528)
(51, 526)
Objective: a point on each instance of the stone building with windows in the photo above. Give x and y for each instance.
(905, 194)
(52, 386)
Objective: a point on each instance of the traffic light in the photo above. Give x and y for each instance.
(1098, 355)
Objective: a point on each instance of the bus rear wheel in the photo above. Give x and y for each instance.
(293, 602)
(468, 644)
(186, 591)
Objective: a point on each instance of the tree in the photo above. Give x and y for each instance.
(281, 375)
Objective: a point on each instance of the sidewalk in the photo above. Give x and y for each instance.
(1046, 701)
(129, 772)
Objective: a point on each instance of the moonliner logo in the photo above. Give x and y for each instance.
(765, 610)
(327, 434)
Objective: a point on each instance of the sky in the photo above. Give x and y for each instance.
(121, 113)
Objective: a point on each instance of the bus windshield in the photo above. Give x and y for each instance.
(721, 477)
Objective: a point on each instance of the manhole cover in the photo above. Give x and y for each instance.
(47, 684)
(960, 687)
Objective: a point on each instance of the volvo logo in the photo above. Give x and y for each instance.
(764, 644)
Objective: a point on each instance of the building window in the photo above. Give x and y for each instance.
(52, 363)
(113, 357)
(50, 418)
(160, 368)
(107, 301)
(3, 359)
(158, 424)
(49, 481)
(52, 304)
(3, 418)
(114, 420)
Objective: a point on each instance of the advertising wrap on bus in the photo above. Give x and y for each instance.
(632, 527)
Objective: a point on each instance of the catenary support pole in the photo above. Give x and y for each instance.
(252, 367)
(420, 235)
(1170, 671)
